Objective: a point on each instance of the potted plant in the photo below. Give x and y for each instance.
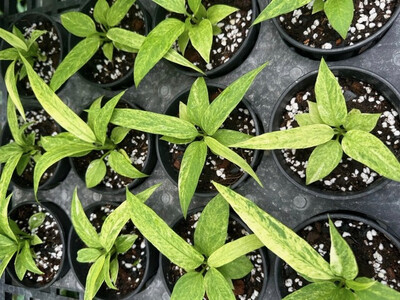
(338, 279)
(199, 126)
(331, 29)
(349, 142)
(108, 254)
(207, 266)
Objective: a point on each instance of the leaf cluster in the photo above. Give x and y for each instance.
(334, 280)
(210, 264)
(333, 131)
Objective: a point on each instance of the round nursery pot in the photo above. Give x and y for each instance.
(43, 125)
(251, 287)
(363, 90)
(137, 265)
(51, 256)
(118, 73)
(370, 23)
(170, 155)
(239, 36)
(139, 146)
(377, 251)
(53, 44)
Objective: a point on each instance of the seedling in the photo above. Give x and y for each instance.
(15, 242)
(210, 264)
(335, 280)
(333, 130)
(198, 126)
(339, 12)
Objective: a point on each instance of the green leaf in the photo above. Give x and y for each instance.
(361, 284)
(84, 229)
(114, 268)
(376, 291)
(183, 41)
(176, 58)
(94, 278)
(118, 134)
(7, 246)
(216, 286)
(50, 143)
(212, 228)
(120, 164)
(118, 11)
(108, 49)
(343, 294)
(221, 150)
(176, 141)
(356, 120)
(314, 291)
(318, 6)
(36, 220)
(100, 11)
(78, 24)
(369, 150)
(194, 5)
(230, 137)
(12, 120)
(27, 260)
(18, 33)
(9, 150)
(340, 15)
(23, 163)
(154, 123)
(36, 240)
(146, 194)
(278, 7)
(225, 103)
(156, 45)
(237, 269)
(192, 164)
(19, 267)
(183, 112)
(13, 40)
(75, 59)
(4, 262)
(177, 6)
(88, 255)
(189, 286)
(95, 172)
(314, 112)
(323, 160)
(125, 242)
(9, 54)
(330, 100)
(217, 13)
(201, 37)
(93, 112)
(157, 232)
(305, 119)
(106, 273)
(34, 36)
(11, 85)
(198, 101)
(278, 238)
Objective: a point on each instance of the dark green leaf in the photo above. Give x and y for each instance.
(198, 101)
(278, 7)
(314, 291)
(237, 269)
(95, 172)
(216, 286)
(118, 134)
(177, 6)
(201, 37)
(217, 13)
(94, 278)
(108, 49)
(376, 291)
(11, 85)
(88, 255)
(13, 40)
(230, 137)
(122, 166)
(183, 41)
(100, 11)
(340, 15)
(356, 120)
(78, 24)
(190, 286)
(125, 242)
(118, 11)
(23, 163)
(36, 220)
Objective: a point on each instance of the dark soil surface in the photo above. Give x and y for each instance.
(376, 256)
(316, 32)
(349, 175)
(248, 287)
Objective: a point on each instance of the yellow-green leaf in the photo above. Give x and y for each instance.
(217, 287)
(356, 120)
(78, 23)
(190, 286)
(314, 291)
(279, 7)
(11, 85)
(340, 15)
(118, 11)
(198, 101)
(201, 37)
(13, 40)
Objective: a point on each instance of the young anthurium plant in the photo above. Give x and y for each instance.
(15, 242)
(339, 12)
(337, 279)
(107, 36)
(103, 248)
(332, 130)
(198, 126)
(210, 264)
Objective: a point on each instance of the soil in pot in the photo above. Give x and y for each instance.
(246, 288)
(349, 175)
(376, 255)
(315, 31)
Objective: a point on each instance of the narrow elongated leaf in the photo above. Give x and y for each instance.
(218, 12)
(120, 164)
(323, 160)
(92, 279)
(13, 40)
(198, 101)
(27, 260)
(93, 112)
(189, 286)
(146, 194)
(75, 59)
(125, 242)
(376, 291)
(9, 54)
(156, 45)
(340, 15)
(330, 100)
(192, 164)
(177, 58)
(23, 163)
(230, 137)
(13, 123)
(216, 286)
(7, 246)
(118, 11)
(183, 41)
(314, 112)
(237, 269)
(173, 140)
(361, 284)
(369, 150)
(278, 7)
(154, 123)
(8, 151)
(318, 6)
(177, 6)
(114, 268)
(356, 120)
(225, 103)
(82, 225)
(106, 273)
(183, 112)
(201, 36)
(50, 143)
(19, 267)
(100, 11)
(95, 173)
(4, 262)
(278, 238)
(34, 36)
(36, 220)
(11, 85)
(157, 232)
(78, 23)
(221, 150)
(314, 291)
(88, 255)
(212, 227)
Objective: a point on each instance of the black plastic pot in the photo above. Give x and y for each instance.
(125, 81)
(165, 262)
(163, 149)
(351, 215)
(382, 85)
(149, 164)
(335, 53)
(62, 168)
(64, 224)
(236, 60)
(81, 270)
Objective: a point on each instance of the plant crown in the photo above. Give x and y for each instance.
(333, 131)
(210, 264)
(335, 280)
